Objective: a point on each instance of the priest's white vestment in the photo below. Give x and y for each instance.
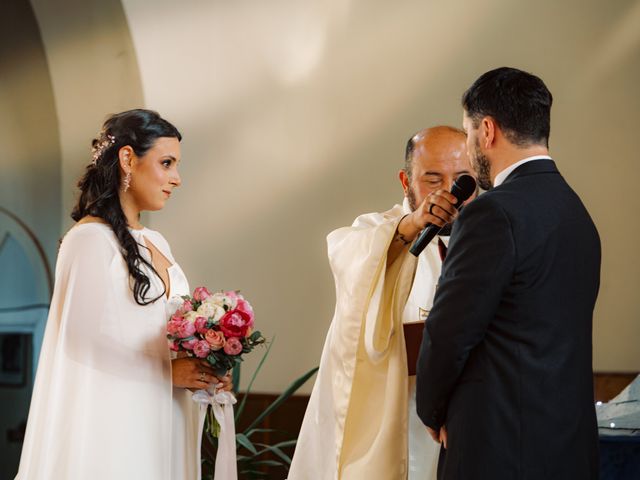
(361, 422)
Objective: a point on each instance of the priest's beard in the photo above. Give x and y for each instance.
(481, 165)
(413, 204)
(411, 198)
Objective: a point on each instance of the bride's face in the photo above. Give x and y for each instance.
(155, 175)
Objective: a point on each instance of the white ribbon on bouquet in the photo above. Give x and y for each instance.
(222, 405)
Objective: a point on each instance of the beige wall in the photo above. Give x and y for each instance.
(295, 116)
(93, 71)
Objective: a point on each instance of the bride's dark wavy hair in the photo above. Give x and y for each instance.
(101, 183)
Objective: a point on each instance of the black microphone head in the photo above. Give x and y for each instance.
(463, 188)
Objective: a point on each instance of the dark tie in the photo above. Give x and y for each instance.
(442, 249)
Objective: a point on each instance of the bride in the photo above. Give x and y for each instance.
(109, 402)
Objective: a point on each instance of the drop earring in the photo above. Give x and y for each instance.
(126, 182)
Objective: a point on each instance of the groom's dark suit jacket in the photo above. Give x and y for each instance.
(505, 361)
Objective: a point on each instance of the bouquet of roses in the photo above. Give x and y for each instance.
(217, 327)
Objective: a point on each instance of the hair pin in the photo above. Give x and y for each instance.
(100, 147)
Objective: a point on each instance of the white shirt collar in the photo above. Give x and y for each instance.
(501, 177)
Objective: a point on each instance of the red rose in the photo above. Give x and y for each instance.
(235, 323)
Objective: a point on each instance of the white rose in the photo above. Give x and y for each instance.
(217, 298)
(207, 310)
(191, 316)
(222, 300)
(230, 302)
(219, 313)
(212, 309)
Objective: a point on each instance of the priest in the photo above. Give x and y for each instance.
(361, 421)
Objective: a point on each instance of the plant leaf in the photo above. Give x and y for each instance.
(248, 433)
(276, 451)
(269, 463)
(242, 439)
(285, 444)
(282, 398)
(255, 374)
(235, 379)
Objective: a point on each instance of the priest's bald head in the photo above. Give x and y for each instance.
(434, 158)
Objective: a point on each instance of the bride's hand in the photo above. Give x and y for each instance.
(226, 383)
(193, 373)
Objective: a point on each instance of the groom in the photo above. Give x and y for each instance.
(504, 374)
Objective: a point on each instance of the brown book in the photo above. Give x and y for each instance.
(412, 339)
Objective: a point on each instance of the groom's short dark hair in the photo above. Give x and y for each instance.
(518, 101)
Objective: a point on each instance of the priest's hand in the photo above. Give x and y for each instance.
(438, 208)
(192, 373)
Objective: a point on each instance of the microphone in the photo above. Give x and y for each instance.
(462, 189)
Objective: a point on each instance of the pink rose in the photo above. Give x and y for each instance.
(232, 294)
(233, 346)
(235, 323)
(174, 325)
(215, 338)
(189, 344)
(201, 324)
(200, 294)
(187, 306)
(173, 346)
(245, 307)
(186, 329)
(201, 349)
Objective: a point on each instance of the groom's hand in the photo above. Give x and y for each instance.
(443, 436)
(440, 436)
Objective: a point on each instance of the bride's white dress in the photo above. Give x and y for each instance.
(103, 405)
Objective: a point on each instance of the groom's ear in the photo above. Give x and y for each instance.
(488, 130)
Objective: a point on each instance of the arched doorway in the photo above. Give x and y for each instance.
(26, 284)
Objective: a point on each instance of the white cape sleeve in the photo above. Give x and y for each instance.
(101, 404)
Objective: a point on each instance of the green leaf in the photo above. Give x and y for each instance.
(276, 451)
(242, 439)
(282, 398)
(255, 336)
(268, 463)
(286, 443)
(235, 379)
(255, 374)
(259, 430)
